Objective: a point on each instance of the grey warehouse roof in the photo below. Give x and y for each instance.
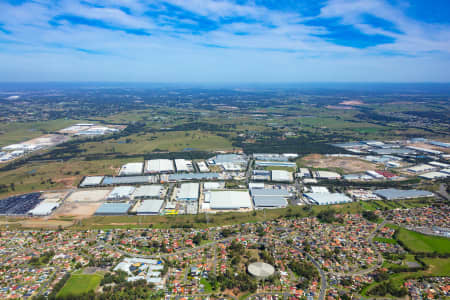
(270, 192)
(391, 194)
(269, 201)
(193, 176)
(113, 209)
(150, 207)
(126, 180)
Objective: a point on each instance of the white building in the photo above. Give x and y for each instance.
(121, 193)
(188, 192)
(131, 169)
(183, 165)
(228, 200)
(281, 176)
(202, 167)
(156, 166)
(148, 191)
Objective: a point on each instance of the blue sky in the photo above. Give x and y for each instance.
(225, 40)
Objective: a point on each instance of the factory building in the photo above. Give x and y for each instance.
(202, 167)
(91, 181)
(149, 207)
(326, 175)
(281, 176)
(193, 176)
(208, 186)
(393, 194)
(121, 193)
(157, 166)
(434, 175)
(148, 191)
(113, 209)
(44, 209)
(183, 165)
(228, 200)
(129, 180)
(188, 192)
(327, 198)
(422, 168)
(269, 157)
(284, 164)
(131, 169)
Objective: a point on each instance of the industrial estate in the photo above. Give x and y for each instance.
(244, 198)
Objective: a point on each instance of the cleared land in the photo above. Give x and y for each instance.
(77, 210)
(346, 165)
(79, 284)
(88, 196)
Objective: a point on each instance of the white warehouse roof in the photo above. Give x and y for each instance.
(148, 191)
(91, 181)
(183, 165)
(149, 207)
(229, 199)
(120, 192)
(188, 191)
(328, 198)
(132, 169)
(282, 176)
(44, 208)
(159, 166)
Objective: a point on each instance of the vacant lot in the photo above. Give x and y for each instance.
(79, 284)
(78, 210)
(88, 195)
(347, 165)
(418, 242)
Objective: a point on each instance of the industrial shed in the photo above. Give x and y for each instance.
(188, 192)
(128, 180)
(193, 176)
(327, 198)
(183, 165)
(150, 207)
(91, 181)
(156, 166)
(44, 209)
(112, 209)
(269, 201)
(131, 169)
(281, 176)
(270, 192)
(228, 200)
(148, 191)
(393, 194)
(121, 193)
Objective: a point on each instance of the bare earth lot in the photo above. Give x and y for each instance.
(88, 196)
(77, 210)
(348, 165)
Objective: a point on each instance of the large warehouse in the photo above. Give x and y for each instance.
(148, 191)
(281, 176)
(156, 166)
(131, 169)
(44, 209)
(129, 180)
(91, 181)
(269, 198)
(188, 192)
(183, 165)
(228, 200)
(111, 209)
(150, 207)
(393, 194)
(121, 193)
(327, 198)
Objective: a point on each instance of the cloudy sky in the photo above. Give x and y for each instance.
(225, 40)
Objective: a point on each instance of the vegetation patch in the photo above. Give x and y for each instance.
(79, 284)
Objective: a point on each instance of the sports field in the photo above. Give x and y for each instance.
(79, 284)
(418, 242)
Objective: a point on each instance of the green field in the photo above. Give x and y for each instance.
(385, 240)
(161, 141)
(418, 242)
(19, 132)
(79, 284)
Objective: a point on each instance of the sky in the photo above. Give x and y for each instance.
(225, 40)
